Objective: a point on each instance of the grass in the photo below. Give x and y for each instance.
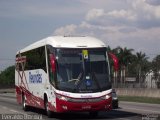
(139, 99)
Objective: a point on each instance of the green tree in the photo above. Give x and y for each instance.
(131, 65)
(141, 63)
(124, 55)
(7, 77)
(125, 58)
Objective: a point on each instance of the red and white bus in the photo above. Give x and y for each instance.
(62, 74)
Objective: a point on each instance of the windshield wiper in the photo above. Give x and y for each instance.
(78, 79)
(80, 76)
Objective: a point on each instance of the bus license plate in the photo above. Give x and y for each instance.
(86, 107)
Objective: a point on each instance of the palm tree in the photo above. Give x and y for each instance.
(125, 58)
(140, 59)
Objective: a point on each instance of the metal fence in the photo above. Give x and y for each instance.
(134, 82)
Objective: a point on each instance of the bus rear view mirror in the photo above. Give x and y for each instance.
(115, 61)
(52, 62)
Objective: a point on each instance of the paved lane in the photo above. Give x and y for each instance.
(127, 111)
(141, 108)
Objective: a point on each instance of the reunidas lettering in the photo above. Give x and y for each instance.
(35, 78)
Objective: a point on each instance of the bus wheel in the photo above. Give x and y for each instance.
(24, 105)
(48, 112)
(93, 114)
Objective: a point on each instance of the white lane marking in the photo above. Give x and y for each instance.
(142, 110)
(14, 111)
(4, 107)
(19, 112)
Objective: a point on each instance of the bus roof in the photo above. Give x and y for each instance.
(66, 42)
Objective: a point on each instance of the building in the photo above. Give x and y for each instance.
(150, 82)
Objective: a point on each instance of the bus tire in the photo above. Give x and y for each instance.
(24, 105)
(48, 112)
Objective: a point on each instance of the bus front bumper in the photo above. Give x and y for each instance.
(66, 106)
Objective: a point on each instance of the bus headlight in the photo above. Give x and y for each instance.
(64, 98)
(106, 97)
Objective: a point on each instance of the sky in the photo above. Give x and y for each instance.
(127, 23)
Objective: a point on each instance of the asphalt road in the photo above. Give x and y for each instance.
(9, 109)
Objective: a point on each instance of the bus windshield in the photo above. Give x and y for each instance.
(82, 70)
